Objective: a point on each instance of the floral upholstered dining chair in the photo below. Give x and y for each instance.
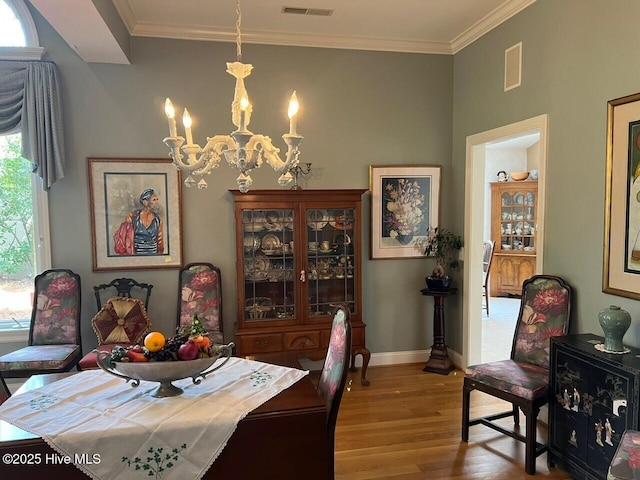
(333, 377)
(523, 380)
(54, 334)
(200, 293)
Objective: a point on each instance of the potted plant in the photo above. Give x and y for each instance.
(444, 246)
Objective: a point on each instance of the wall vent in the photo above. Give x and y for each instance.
(513, 67)
(321, 12)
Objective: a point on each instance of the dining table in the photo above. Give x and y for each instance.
(283, 438)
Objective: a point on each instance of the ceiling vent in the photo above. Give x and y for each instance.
(321, 12)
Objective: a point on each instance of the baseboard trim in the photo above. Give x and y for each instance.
(409, 356)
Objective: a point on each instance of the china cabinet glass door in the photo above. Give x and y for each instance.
(269, 264)
(518, 220)
(330, 259)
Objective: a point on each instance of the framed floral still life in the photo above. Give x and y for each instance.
(621, 272)
(404, 205)
(136, 213)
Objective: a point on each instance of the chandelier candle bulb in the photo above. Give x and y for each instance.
(169, 110)
(186, 121)
(293, 111)
(244, 104)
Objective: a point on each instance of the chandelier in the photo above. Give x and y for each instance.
(241, 149)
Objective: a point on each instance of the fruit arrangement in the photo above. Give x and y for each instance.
(190, 342)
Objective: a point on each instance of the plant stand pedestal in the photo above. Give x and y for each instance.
(439, 361)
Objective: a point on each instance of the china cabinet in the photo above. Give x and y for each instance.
(299, 253)
(513, 228)
(593, 399)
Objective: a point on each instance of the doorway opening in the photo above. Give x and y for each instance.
(479, 159)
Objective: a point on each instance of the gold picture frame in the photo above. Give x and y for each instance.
(136, 213)
(621, 270)
(405, 204)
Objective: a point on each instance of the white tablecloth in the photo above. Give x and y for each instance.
(113, 431)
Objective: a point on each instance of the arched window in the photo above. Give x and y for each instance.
(24, 233)
(18, 36)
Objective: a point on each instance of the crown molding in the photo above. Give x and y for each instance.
(500, 15)
(290, 39)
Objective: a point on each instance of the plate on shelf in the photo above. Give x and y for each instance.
(270, 242)
(518, 199)
(317, 219)
(342, 222)
(287, 222)
(253, 221)
(343, 239)
(528, 198)
(251, 243)
(273, 221)
(256, 264)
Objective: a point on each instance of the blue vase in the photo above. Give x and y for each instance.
(439, 284)
(614, 322)
(404, 239)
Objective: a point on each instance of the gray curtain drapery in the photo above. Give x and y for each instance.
(30, 99)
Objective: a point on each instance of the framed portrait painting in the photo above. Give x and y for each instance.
(621, 272)
(404, 206)
(136, 213)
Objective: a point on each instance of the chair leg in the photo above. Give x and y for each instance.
(485, 294)
(466, 398)
(530, 449)
(516, 415)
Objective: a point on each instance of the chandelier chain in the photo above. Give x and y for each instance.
(238, 34)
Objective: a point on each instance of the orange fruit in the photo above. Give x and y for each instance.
(154, 341)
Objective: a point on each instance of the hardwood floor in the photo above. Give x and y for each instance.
(406, 426)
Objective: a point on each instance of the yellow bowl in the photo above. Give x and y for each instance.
(519, 176)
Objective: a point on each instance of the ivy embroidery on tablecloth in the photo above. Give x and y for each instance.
(42, 402)
(158, 461)
(259, 378)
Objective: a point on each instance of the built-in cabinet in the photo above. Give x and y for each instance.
(513, 228)
(594, 398)
(299, 253)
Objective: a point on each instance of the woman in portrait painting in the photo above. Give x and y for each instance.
(141, 233)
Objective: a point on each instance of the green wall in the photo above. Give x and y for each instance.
(358, 109)
(577, 55)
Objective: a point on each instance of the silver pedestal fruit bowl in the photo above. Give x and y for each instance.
(164, 372)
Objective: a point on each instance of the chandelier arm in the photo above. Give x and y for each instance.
(212, 152)
(271, 153)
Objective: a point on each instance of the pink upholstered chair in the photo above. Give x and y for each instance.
(54, 334)
(523, 380)
(200, 293)
(334, 374)
(123, 319)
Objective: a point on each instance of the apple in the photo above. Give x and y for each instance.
(188, 351)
